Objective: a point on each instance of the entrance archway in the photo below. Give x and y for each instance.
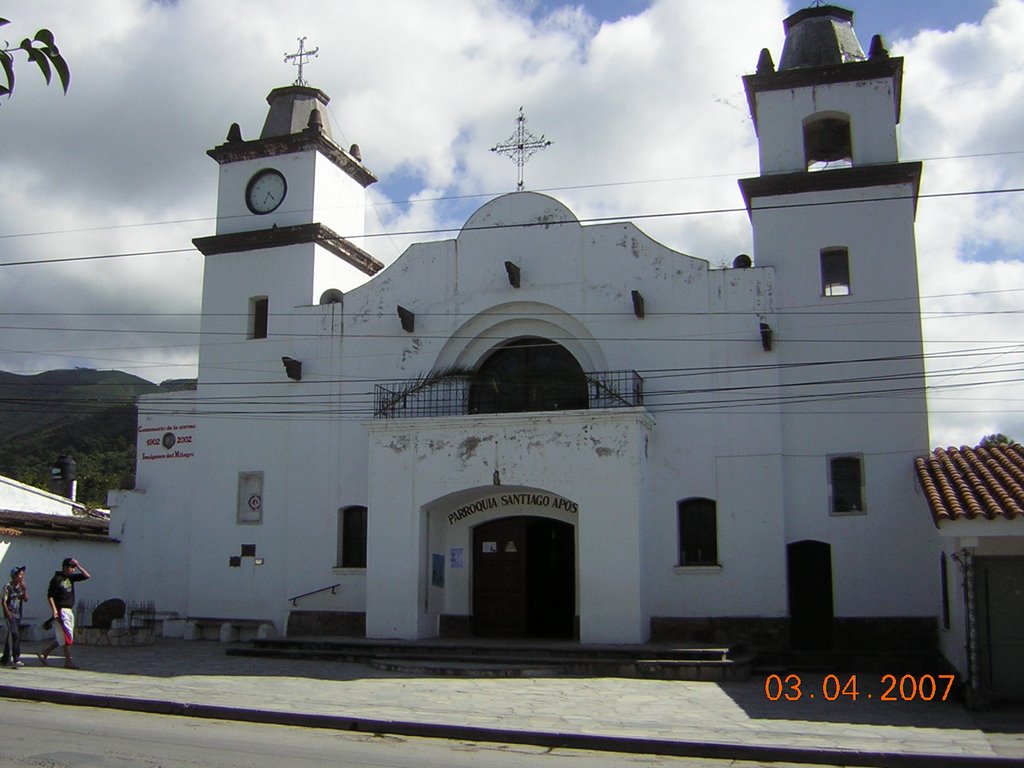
(524, 578)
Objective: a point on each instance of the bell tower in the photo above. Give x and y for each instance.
(290, 206)
(832, 212)
(833, 207)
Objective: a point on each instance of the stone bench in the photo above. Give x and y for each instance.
(229, 630)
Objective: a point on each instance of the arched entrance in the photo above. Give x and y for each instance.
(524, 578)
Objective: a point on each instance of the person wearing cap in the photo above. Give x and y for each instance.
(12, 598)
(61, 597)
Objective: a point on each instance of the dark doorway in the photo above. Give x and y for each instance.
(1000, 594)
(524, 578)
(810, 595)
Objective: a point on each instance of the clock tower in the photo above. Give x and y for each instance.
(291, 206)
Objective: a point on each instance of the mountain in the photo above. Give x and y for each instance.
(83, 413)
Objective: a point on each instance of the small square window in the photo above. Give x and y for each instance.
(835, 272)
(698, 532)
(847, 482)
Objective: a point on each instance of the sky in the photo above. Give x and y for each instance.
(642, 99)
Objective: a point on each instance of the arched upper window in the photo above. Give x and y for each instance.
(835, 272)
(827, 141)
(528, 374)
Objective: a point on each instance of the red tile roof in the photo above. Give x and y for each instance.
(968, 483)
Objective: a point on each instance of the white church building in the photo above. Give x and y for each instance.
(546, 429)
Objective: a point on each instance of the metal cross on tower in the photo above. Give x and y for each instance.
(521, 146)
(299, 59)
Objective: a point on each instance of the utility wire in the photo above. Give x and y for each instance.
(529, 225)
(490, 195)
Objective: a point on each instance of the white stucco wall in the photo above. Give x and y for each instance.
(19, 497)
(781, 115)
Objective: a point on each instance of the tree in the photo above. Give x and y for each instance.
(998, 439)
(40, 49)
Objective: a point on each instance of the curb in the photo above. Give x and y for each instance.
(621, 744)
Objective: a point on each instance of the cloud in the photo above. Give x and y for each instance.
(647, 115)
(963, 107)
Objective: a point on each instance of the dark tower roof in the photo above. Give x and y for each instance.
(820, 36)
(297, 121)
(290, 110)
(821, 48)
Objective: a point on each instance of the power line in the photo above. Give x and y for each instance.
(491, 195)
(590, 220)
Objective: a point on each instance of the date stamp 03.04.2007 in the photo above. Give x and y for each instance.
(794, 687)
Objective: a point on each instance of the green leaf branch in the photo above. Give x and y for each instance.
(41, 50)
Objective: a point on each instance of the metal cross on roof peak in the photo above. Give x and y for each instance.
(299, 59)
(521, 146)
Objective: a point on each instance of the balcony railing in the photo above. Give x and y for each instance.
(465, 394)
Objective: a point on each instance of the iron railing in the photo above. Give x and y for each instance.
(332, 587)
(461, 395)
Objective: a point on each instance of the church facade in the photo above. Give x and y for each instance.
(541, 428)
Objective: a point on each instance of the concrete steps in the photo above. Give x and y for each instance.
(515, 658)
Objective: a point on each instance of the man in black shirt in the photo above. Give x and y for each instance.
(61, 597)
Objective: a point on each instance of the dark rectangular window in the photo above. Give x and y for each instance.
(944, 575)
(835, 272)
(847, 484)
(698, 532)
(352, 547)
(260, 315)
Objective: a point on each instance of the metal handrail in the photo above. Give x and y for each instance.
(333, 588)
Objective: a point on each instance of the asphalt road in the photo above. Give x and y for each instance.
(40, 735)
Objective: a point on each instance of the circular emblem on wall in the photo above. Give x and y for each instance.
(168, 440)
(255, 502)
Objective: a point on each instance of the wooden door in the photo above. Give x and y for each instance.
(524, 578)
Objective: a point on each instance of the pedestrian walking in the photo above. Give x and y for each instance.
(12, 598)
(61, 597)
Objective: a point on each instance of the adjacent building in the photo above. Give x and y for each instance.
(976, 496)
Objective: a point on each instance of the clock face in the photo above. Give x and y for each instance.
(266, 191)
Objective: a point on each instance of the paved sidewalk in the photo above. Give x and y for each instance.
(728, 720)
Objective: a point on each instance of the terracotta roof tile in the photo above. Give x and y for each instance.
(967, 483)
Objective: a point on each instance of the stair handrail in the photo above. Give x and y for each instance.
(332, 587)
